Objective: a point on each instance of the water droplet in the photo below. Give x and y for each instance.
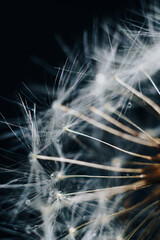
(28, 229)
(129, 105)
(52, 175)
(37, 179)
(51, 193)
(36, 227)
(25, 174)
(28, 202)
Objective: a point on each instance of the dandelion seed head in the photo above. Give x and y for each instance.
(90, 131)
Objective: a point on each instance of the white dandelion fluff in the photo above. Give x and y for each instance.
(89, 163)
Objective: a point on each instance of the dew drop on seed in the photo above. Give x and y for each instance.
(28, 202)
(36, 227)
(25, 174)
(52, 175)
(37, 179)
(51, 193)
(28, 229)
(129, 105)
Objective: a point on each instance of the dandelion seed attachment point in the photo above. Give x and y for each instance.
(72, 230)
(32, 157)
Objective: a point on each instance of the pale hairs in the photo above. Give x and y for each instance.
(91, 165)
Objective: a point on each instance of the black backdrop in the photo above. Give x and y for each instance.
(28, 28)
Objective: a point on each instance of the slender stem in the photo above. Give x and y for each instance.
(114, 214)
(113, 121)
(139, 94)
(133, 124)
(110, 145)
(88, 164)
(151, 80)
(106, 128)
(108, 177)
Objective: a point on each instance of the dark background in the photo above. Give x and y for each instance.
(28, 29)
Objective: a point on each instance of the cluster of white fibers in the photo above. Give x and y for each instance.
(87, 163)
